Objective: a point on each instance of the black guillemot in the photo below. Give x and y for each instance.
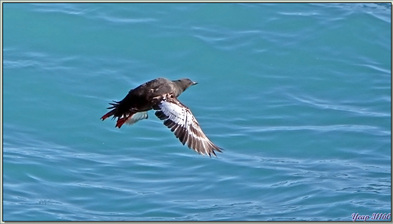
(161, 95)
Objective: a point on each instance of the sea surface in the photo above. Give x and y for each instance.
(297, 94)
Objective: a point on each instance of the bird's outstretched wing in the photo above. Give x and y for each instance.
(186, 128)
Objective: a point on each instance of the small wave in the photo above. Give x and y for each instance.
(225, 39)
(15, 60)
(380, 11)
(69, 9)
(301, 13)
(327, 105)
(114, 19)
(328, 128)
(88, 12)
(376, 68)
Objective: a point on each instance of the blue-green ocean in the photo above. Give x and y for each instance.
(297, 94)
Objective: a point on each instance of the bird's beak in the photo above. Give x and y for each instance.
(194, 83)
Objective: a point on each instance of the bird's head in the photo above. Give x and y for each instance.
(185, 83)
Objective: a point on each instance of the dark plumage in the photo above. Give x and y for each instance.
(161, 95)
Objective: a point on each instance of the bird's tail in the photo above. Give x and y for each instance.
(129, 118)
(110, 113)
(120, 120)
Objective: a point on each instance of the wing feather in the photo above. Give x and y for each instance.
(184, 125)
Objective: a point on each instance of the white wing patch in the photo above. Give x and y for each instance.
(183, 124)
(175, 113)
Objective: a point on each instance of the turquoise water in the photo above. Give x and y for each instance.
(298, 95)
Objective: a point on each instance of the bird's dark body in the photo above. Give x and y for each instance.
(146, 97)
(138, 99)
(161, 95)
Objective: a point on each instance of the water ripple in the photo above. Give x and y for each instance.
(69, 9)
(324, 104)
(325, 128)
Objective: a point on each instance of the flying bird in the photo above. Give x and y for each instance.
(161, 95)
